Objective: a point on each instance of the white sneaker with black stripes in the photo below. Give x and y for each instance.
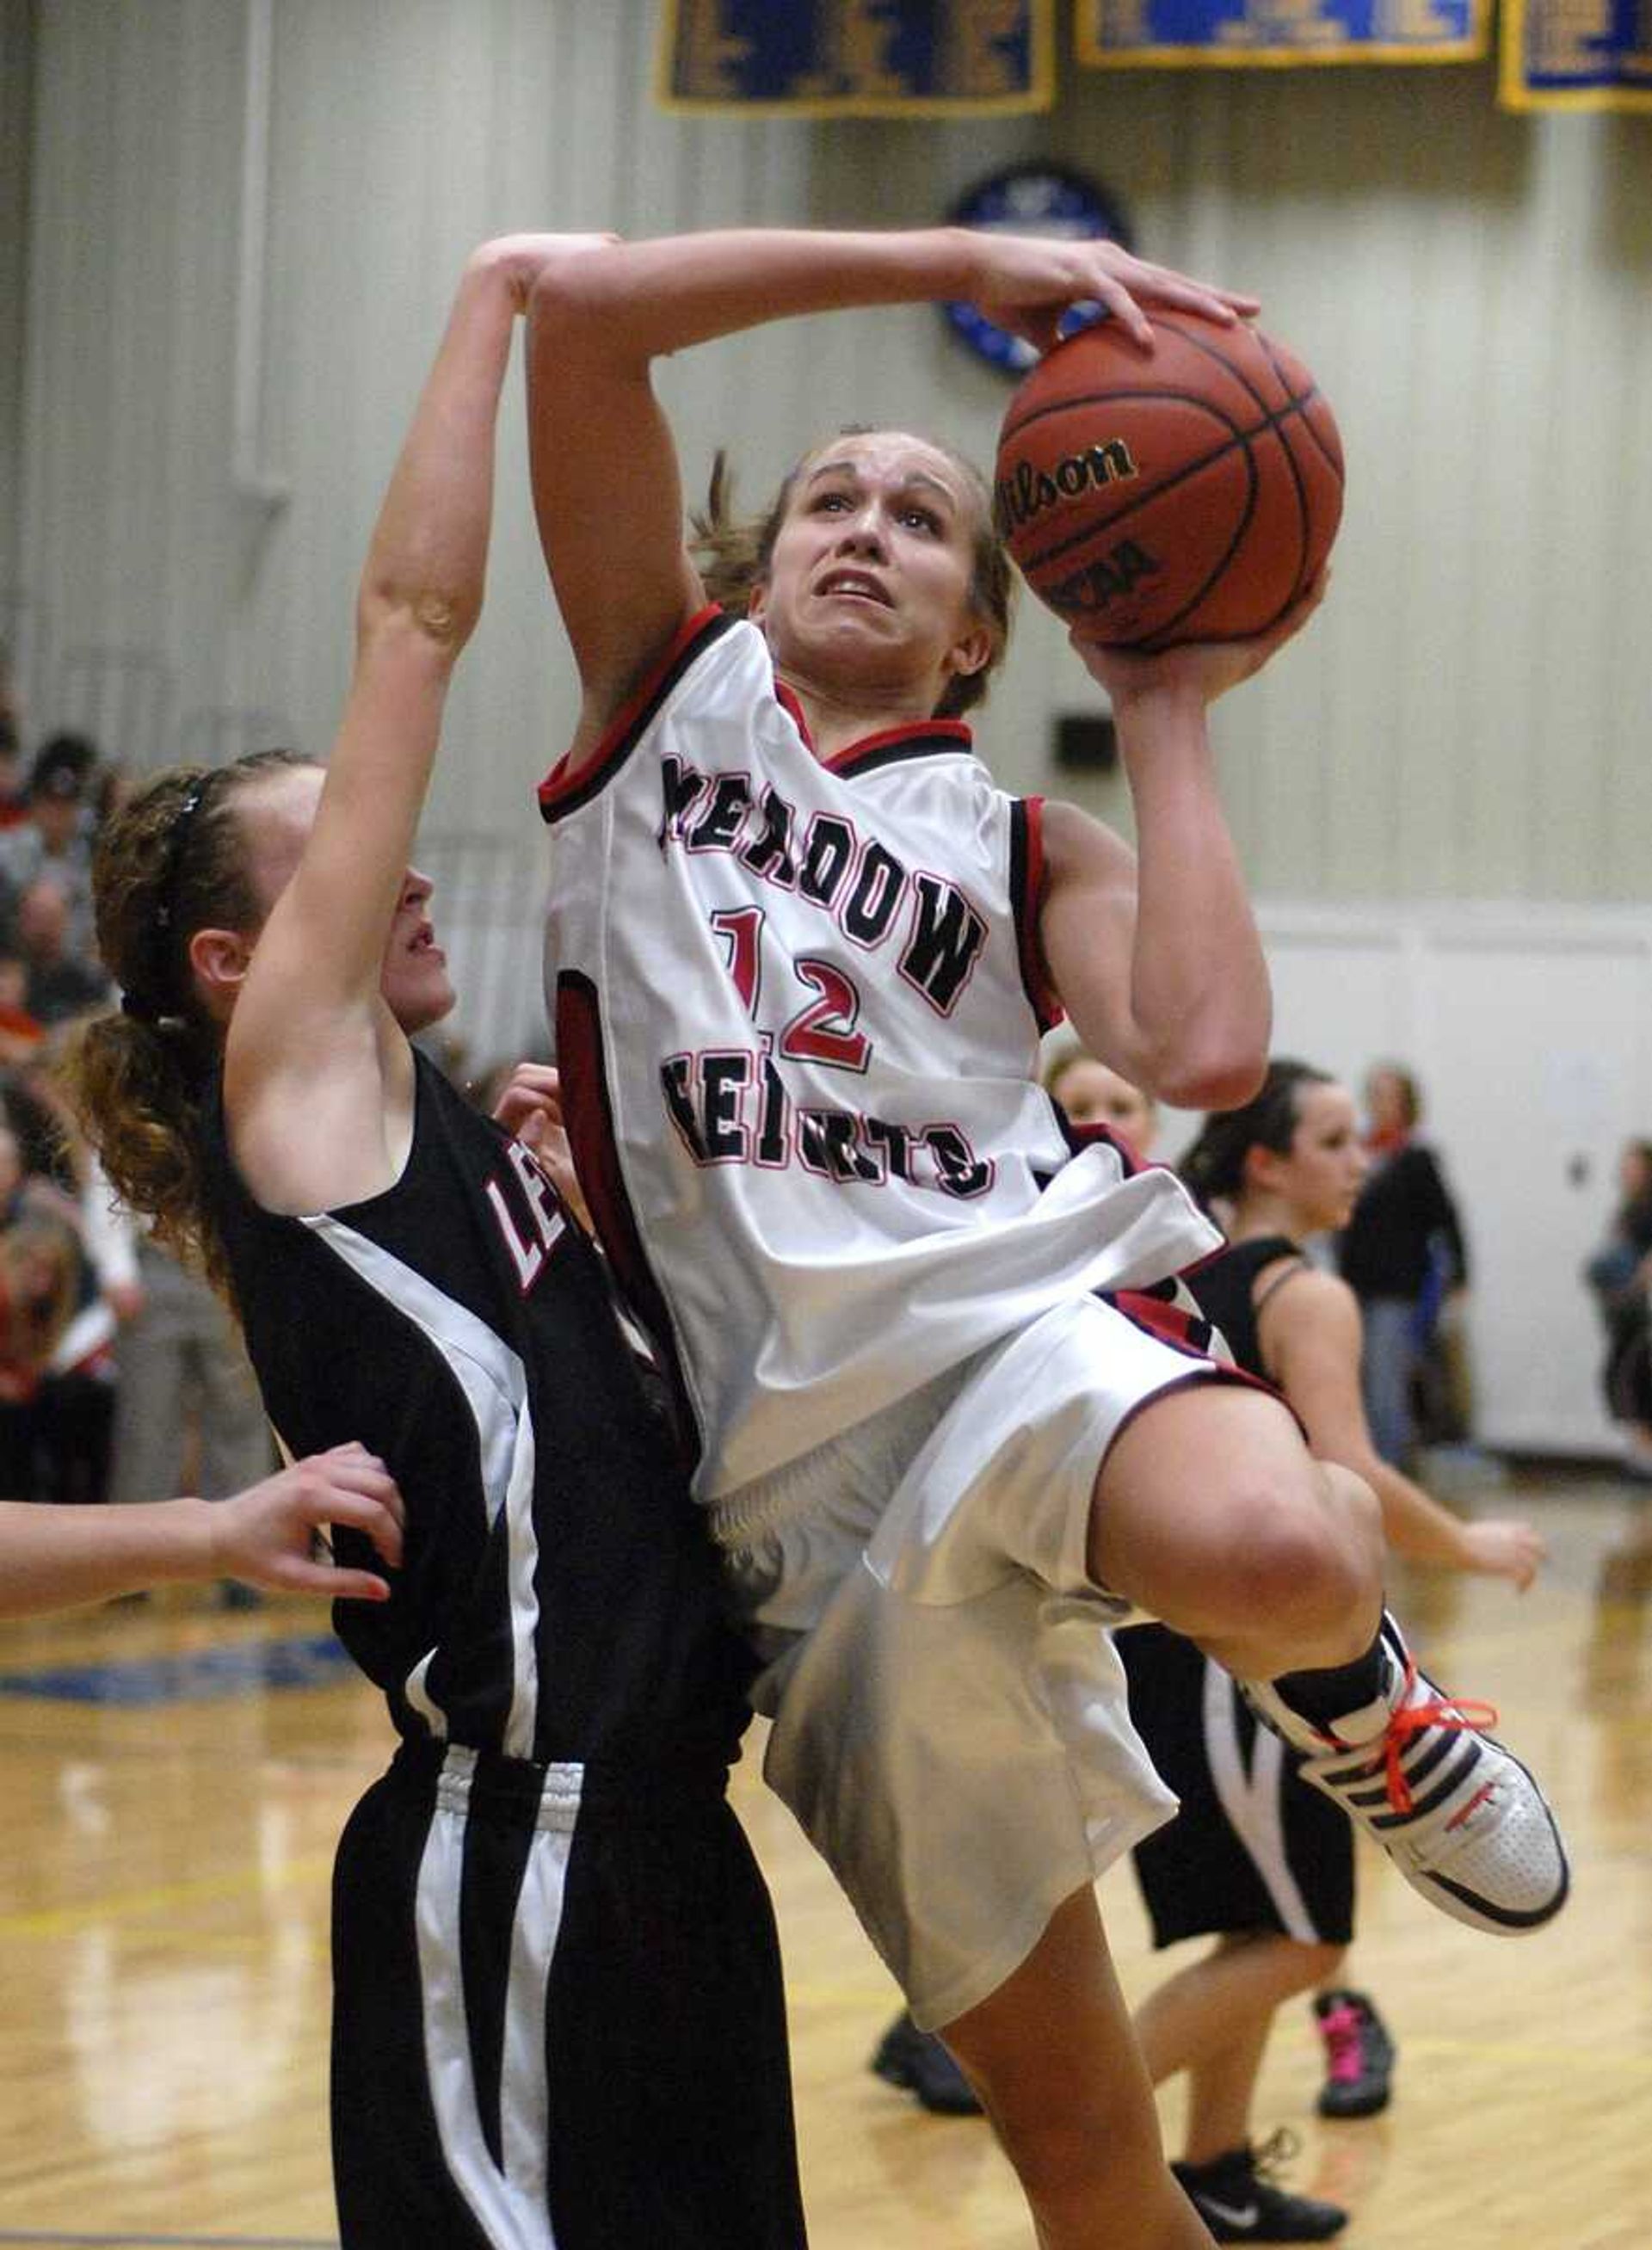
(1458, 1814)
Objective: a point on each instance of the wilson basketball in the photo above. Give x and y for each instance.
(1188, 494)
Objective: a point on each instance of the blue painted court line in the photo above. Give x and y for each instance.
(198, 1676)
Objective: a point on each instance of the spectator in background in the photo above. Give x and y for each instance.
(1090, 1093)
(61, 1442)
(20, 1032)
(59, 982)
(112, 788)
(55, 838)
(42, 1270)
(188, 1416)
(12, 798)
(1621, 1273)
(1402, 1253)
(14, 805)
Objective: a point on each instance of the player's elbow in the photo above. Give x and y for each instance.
(1213, 1073)
(577, 295)
(422, 619)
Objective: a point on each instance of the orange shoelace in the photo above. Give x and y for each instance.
(1467, 1716)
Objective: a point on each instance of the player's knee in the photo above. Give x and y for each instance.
(1317, 1965)
(1304, 1553)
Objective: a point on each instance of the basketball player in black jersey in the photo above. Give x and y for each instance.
(1257, 1858)
(558, 2010)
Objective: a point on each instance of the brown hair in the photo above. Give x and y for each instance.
(1214, 1165)
(40, 1268)
(1408, 1091)
(172, 861)
(733, 555)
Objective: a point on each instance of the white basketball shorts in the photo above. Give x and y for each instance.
(950, 1719)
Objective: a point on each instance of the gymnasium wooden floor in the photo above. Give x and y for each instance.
(163, 1870)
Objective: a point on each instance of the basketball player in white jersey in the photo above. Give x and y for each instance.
(800, 952)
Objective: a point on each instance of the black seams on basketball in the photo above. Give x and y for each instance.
(1188, 494)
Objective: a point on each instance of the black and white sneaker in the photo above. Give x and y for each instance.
(1240, 2203)
(1460, 1817)
(921, 2065)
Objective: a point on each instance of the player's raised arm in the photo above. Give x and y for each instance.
(1156, 955)
(311, 1039)
(606, 485)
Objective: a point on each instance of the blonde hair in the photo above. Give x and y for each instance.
(733, 555)
(40, 1269)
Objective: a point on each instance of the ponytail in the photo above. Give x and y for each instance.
(1213, 1167)
(172, 861)
(137, 1085)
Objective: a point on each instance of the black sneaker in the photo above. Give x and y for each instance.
(1239, 2203)
(1359, 2055)
(1460, 1817)
(919, 2063)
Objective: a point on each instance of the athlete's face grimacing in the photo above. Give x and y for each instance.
(1320, 1175)
(868, 589)
(279, 812)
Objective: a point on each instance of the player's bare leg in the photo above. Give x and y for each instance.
(1210, 1513)
(1054, 2060)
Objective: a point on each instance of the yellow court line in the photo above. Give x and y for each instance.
(53, 1922)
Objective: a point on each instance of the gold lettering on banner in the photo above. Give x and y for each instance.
(1412, 23)
(1569, 38)
(852, 54)
(1123, 24)
(971, 49)
(709, 54)
(1574, 38)
(1297, 23)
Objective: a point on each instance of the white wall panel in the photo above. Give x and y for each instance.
(17, 80)
(1468, 718)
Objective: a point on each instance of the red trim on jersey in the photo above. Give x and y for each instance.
(590, 1135)
(1086, 1136)
(559, 784)
(1172, 1325)
(920, 735)
(1027, 900)
(786, 697)
(1083, 1137)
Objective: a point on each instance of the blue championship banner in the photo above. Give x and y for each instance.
(1123, 34)
(1576, 54)
(857, 57)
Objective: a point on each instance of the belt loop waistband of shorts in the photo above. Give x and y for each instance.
(531, 1792)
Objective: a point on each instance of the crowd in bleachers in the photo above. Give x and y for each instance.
(121, 1376)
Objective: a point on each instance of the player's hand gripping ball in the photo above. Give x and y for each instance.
(1191, 493)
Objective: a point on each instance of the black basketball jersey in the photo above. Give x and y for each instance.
(558, 1598)
(1253, 1847)
(1223, 1287)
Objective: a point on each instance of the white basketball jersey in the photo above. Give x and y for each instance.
(798, 1009)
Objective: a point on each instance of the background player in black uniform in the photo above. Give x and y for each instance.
(1256, 1857)
(558, 2010)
